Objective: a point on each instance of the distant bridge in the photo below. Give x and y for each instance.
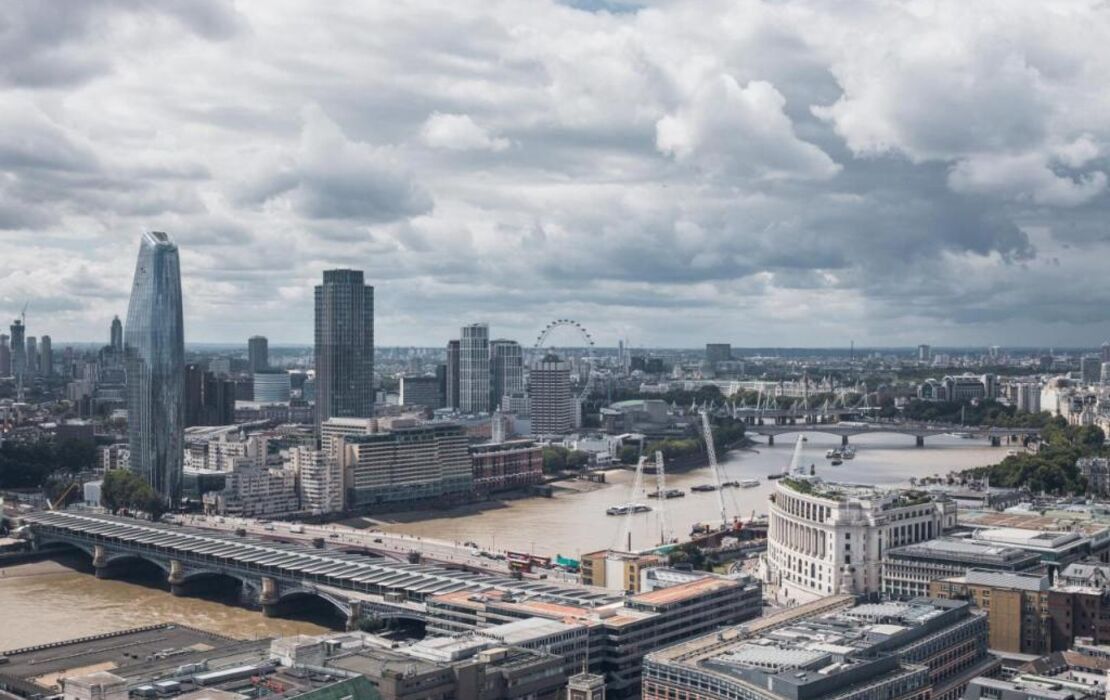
(271, 573)
(918, 430)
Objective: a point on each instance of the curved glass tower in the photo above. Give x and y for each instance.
(154, 345)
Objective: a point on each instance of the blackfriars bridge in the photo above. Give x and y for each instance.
(918, 430)
(271, 574)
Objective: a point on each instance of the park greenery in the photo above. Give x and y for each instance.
(1052, 469)
(557, 458)
(124, 490)
(33, 465)
(985, 412)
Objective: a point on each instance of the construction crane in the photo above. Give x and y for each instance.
(625, 538)
(711, 452)
(661, 495)
(796, 468)
(60, 501)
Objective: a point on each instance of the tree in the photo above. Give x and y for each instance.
(124, 489)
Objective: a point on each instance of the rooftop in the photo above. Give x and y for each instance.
(964, 550)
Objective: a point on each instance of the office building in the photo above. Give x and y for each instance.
(115, 336)
(474, 381)
(5, 357)
(271, 386)
(46, 357)
(826, 538)
(154, 345)
(420, 391)
(504, 466)
(553, 407)
(716, 353)
(452, 375)
(586, 686)
(258, 353)
(209, 399)
(32, 356)
(616, 570)
(1016, 605)
(831, 648)
(924, 353)
(344, 346)
(19, 351)
(1028, 397)
(908, 570)
(406, 466)
(319, 480)
(506, 360)
(621, 630)
(1032, 688)
(1090, 369)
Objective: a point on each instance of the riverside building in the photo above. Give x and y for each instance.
(830, 648)
(826, 538)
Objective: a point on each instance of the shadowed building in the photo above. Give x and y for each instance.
(344, 346)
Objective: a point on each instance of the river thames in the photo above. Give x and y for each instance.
(46, 601)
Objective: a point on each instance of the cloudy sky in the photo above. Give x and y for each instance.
(765, 173)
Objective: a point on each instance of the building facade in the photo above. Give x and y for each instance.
(552, 405)
(420, 391)
(18, 344)
(271, 386)
(154, 347)
(474, 383)
(827, 538)
(258, 353)
(907, 571)
(319, 480)
(504, 466)
(451, 381)
(407, 465)
(344, 351)
(506, 360)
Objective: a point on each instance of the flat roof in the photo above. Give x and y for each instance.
(684, 591)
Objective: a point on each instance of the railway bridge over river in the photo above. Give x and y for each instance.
(918, 430)
(272, 574)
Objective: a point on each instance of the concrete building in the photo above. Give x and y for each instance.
(254, 491)
(18, 344)
(827, 538)
(115, 335)
(506, 366)
(474, 377)
(5, 357)
(209, 398)
(420, 391)
(258, 354)
(959, 388)
(154, 345)
(924, 353)
(1027, 689)
(616, 570)
(1015, 603)
(1096, 470)
(271, 386)
(908, 570)
(504, 466)
(1028, 397)
(552, 404)
(831, 648)
(1090, 369)
(319, 480)
(116, 456)
(334, 428)
(406, 466)
(344, 347)
(32, 355)
(619, 632)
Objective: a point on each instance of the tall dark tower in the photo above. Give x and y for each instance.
(117, 336)
(258, 352)
(19, 351)
(344, 346)
(452, 382)
(154, 346)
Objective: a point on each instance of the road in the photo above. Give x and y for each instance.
(392, 544)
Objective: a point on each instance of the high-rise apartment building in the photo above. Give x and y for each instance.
(258, 353)
(46, 357)
(1090, 369)
(32, 355)
(154, 345)
(452, 382)
(115, 340)
(715, 353)
(319, 480)
(506, 360)
(344, 346)
(19, 351)
(552, 404)
(474, 369)
(924, 353)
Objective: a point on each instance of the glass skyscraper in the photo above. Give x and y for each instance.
(344, 347)
(154, 346)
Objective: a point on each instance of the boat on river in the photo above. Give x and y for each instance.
(626, 508)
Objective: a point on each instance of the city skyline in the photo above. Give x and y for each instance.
(747, 165)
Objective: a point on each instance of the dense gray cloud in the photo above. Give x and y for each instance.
(763, 172)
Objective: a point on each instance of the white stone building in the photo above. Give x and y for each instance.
(828, 538)
(319, 480)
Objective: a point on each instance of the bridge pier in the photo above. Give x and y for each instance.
(176, 578)
(996, 441)
(920, 441)
(844, 440)
(770, 441)
(355, 616)
(100, 563)
(268, 597)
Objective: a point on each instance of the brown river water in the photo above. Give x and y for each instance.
(48, 601)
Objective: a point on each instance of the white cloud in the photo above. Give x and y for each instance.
(458, 132)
